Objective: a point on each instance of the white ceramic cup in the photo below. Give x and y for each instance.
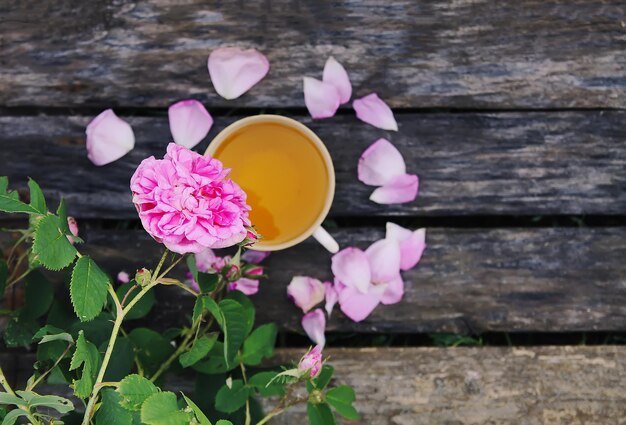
(315, 229)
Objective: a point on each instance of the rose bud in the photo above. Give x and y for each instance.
(143, 277)
(73, 226)
(312, 362)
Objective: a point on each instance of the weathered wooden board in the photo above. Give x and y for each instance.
(507, 163)
(469, 281)
(462, 54)
(579, 385)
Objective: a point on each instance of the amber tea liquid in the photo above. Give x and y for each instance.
(284, 175)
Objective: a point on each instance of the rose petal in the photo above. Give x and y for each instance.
(358, 306)
(234, 71)
(384, 260)
(321, 99)
(331, 297)
(372, 110)
(400, 190)
(380, 163)
(305, 292)
(190, 122)
(254, 257)
(245, 285)
(394, 290)
(412, 244)
(205, 260)
(108, 138)
(335, 74)
(314, 324)
(351, 267)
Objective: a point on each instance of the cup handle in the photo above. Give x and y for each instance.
(327, 241)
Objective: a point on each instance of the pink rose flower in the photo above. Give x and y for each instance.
(312, 361)
(186, 202)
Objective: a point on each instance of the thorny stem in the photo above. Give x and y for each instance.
(5, 383)
(169, 269)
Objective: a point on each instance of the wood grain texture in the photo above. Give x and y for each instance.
(579, 385)
(469, 281)
(476, 163)
(461, 54)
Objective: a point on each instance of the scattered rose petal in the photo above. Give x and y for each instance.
(305, 292)
(356, 305)
(335, 74)
(108, 138)
(321, 99)
(351, 267)
(400, 190)
(394, 291)
(190, 122)
(384, 260)
(372, 110)
(234, 71)
(412, 244)
(245, 285)
(123, 277)
(73, 226)
(380, 163)
(254, 257)
(312, 361)
(314, 324)
(331, 297)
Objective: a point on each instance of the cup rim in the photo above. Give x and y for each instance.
(330, 170)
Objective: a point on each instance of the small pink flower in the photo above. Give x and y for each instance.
(372, 110)
(412, 244)
(186, 202)
(245, 285)
(305, 292)
(365, 279)
(312, 361)
(108, 138)
(314, 324)
(123, 277)
(190, 122)
(234, 71)
(73, 226)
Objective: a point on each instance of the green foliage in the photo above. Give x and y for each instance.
(10, 201)
(88, 289)
(151, 348)
(261, 382)
(4, 274)
(323, 379)
(38, 295)
(122, 359)
(207, 281)
(51, 246)
(200, 416)
(87, 355)
(37, 200)
(35, 401)
(134, 390)
(259, 345)
(19, 333)
(234, 327)
(199, 350)
(341, 398)
(162, 409)
(320, 414)
(230, 399)
(248, 307)
(142, 307)
(50, 333)
(215, 362)
(111, 411)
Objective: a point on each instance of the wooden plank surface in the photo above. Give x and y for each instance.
(469, 280)
(461, 54)
(476, 163)
(580, 385)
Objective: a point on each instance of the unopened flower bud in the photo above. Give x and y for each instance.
(233, 273)
(312, 362)
(143, 277)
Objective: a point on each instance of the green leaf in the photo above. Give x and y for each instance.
(122, 359)
(134, 390)
(234, 328)
(10, 201)
(200, 416)
(341, 398)
(229, 400)
(151, 348)
(4, 274)
(260, 344)
(87, 355)
(191, 264)
(215, 362)
(60, 404)
(51, 247)
(247, 305)
(203, 303)
(199, 350)
(88, 289)
(324, 377)
(13, 415)
(223, 422)
(37, 200)
(51, 333)
(207, 281)
(97, 330)
(111, 412)
(6, 398)
(19, 333)
(162, 409)
(320, 414)
(142, 307)
(38, 294)
(261, 381)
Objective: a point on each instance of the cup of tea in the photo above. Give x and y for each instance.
(288, 175)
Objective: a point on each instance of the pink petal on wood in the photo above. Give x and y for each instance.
(108, 138)
(412, 244)
(331, 296)
(400, 190)
(372, 110)
(234, 71)
(305, 292)
(394, 291)
(384, 260)
(356, 305)
(335, 74)
(314, 324)
(321, 99)
(380, 163)
(190, 122)
(351, 267)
